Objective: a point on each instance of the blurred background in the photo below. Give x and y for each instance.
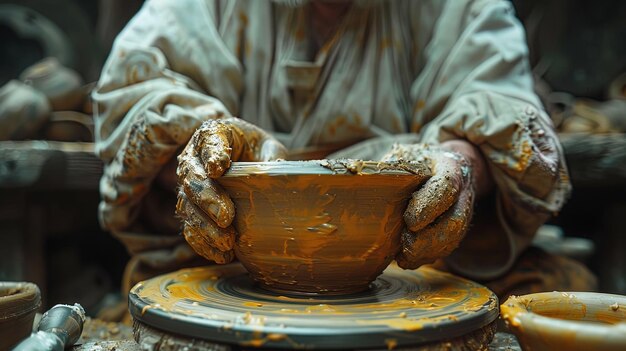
(53, 51)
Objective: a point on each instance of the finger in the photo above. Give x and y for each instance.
(436, 196)
(438, 239)
(201, 247)
(204, 192)
(210, 197)
(205, 231)
(213, 145)
(416, 250)
(189, 160)
(251, 143)
(272, 150)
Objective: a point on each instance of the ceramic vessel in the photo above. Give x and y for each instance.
(61, 85)
(319, 227)
(572, 321)
(18, 305)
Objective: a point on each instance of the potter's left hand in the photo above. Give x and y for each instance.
(439, 213)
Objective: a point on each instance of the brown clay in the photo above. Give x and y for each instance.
(18, 304)
(567, 321)
(327, 227)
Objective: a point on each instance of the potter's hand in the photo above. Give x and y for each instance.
(438, 214)
(205, 208)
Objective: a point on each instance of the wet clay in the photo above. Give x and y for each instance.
(319, 227)
(567, 321)
(401, 307)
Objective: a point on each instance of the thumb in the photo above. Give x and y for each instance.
(272, 150)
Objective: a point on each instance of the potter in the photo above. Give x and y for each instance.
(260, 81)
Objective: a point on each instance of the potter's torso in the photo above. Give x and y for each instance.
(355, 86)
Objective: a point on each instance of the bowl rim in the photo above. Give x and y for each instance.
(327, 167)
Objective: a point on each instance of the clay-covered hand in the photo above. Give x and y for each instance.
(204, 207)
(438, 213)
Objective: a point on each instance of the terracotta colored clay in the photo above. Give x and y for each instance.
(327, 227)
(573, 321)
(18, 304)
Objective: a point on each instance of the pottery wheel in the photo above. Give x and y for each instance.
(402, 307)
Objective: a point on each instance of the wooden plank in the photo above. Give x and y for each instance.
(49, 165)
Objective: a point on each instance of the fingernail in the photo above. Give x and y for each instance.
(214, 210)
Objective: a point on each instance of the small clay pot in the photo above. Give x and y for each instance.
(18, 305)
(573, 321)
(61, 85)
(319, 227)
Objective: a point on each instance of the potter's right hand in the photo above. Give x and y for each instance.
(205, 208)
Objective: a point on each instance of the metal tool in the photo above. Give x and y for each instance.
(59, 328)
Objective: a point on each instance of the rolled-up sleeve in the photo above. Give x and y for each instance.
(477, 86)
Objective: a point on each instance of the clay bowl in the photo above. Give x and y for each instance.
(18, 305)
(319, 227)
(573, 321)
